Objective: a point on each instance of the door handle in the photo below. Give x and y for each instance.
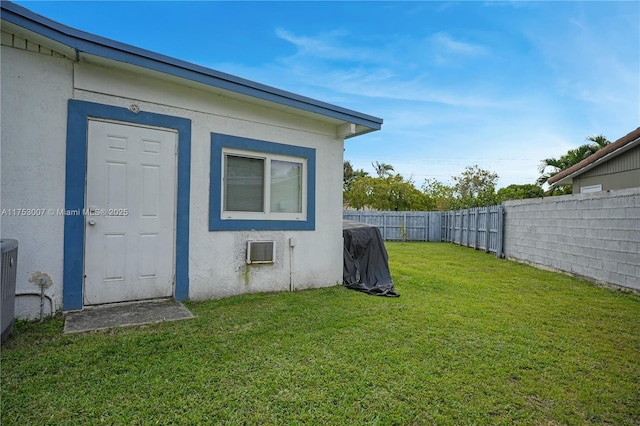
(92, 211)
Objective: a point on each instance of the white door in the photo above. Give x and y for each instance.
(130, 213)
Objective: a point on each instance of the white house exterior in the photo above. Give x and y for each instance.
(128, 175)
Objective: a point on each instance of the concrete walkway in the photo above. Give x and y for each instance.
(123, 315)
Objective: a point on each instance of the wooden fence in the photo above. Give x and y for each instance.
(401, 226)
(481, 228)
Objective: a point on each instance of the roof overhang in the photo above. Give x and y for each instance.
(605, 154)
(85, 46)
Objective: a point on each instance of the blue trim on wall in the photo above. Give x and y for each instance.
(110, 49)
(79, 113)
(216, 223)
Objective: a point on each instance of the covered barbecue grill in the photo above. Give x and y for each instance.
(366, 263)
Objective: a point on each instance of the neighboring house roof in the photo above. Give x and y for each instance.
(89, 44)
(603, 155)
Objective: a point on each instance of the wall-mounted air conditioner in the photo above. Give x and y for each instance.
(261, 252)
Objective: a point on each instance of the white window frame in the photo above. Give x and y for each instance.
(590, 188)
(266, 214)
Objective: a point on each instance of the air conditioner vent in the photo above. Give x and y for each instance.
(261, 251)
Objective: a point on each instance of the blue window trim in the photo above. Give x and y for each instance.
(216, 223)
(79, 113)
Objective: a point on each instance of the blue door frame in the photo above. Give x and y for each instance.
(79, 112)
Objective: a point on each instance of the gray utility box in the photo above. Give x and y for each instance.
(9, 267)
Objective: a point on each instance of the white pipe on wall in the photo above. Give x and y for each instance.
(292, 243)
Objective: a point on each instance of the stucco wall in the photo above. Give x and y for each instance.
(217, 265)
(596, 236)
(35, 91)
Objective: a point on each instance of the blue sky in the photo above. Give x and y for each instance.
(499, 84)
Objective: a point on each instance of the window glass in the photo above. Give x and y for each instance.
(286, 187)
(590, 188)
(261, 185)
(244, 184)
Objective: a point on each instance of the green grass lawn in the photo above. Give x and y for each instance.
(472, 340)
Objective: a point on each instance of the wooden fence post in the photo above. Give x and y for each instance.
(487, 233)
(477, 225)
(500, 236)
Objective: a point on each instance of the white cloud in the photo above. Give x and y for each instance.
(330, 46)
(449, 45)
(506, 117)
(398, 69)
(322, 47)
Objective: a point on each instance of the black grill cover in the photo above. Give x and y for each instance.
(366, 263)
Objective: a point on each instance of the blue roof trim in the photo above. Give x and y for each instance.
(106, 48)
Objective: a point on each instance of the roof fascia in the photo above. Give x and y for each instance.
(121, 52)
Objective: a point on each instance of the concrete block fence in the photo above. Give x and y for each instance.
(595, 236)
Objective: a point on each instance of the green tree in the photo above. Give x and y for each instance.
(347, 172)
(475, 187)
(382, 169)
(439, 195)
(391, 192)
(598, 141)
(350, 175)
(519, 192)
(550, 167)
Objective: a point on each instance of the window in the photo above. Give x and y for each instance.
(244, 184)
(260, 185)
(286, 187)
(590, 188)
(270, 185)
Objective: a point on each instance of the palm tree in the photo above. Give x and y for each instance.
(382, 169)
(599, 141)
(550, 167)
